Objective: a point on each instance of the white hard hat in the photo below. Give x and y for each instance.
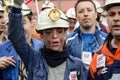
(110, 3)
(1, 7)
(98, 6)
(25, 9)
(48, 4)
(77, 25)
(52, 18)
(71, 13)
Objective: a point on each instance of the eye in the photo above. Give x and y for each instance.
(111, 14)
(59, 30)
(89, 10)
(48, 31)
(119, 12)
(24, 22)
(0, 17)
(80, 11)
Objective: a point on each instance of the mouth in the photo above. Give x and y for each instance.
(116, 27)
(55, 43)
(86, 20)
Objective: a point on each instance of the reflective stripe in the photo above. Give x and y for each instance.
(71, 38)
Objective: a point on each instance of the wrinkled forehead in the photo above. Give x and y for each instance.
(86, 4)
(57, 28)
(114, 9)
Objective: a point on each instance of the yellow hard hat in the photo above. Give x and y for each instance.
(71, 13)
(109, 3)
(52, 18)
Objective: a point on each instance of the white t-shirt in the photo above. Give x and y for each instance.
(57, 73)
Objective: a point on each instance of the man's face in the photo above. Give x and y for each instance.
(114, 20)
(2, 22)
(72, 22)
(27, 27)
(54, 39)
(86, 14)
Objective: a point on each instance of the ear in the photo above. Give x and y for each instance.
(96, 15)
(33, 24)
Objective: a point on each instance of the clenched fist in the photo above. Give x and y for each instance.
(20, 2)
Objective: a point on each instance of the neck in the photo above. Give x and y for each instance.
(88, 30)
(115, 43)
(29, 41)
(70, 29)
(1, 36)
(97, 23)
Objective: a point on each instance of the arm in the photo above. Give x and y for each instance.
(17, 36)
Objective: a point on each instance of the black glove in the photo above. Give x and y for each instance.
(20, 2)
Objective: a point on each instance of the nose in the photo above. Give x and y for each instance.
(116, 18)
(2, 21)
(85, 13)
(55, 34)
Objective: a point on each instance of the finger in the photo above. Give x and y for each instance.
(3, 65)
(11, 61)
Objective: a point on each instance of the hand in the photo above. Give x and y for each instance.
(5, 62)
(20, 2)
(2, 28)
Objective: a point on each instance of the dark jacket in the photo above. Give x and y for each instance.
(106, 67)
(34, 61)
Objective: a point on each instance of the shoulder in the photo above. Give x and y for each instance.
(75, 60)
(37, 42)
(71, 37)
(100, 33)
(103, 34)
(7, 43)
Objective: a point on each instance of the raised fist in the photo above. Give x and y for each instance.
(20, 2)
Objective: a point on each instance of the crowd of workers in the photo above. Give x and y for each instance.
(79, 44)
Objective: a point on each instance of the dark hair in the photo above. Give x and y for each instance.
(29, 15)
(98, 17)
(41, 31)
(78, 1)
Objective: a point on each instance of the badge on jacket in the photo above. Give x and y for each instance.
(73, 75)
(87, 57)
(101, 64)
(101, 61)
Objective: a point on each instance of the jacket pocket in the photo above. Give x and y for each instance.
(39, 74)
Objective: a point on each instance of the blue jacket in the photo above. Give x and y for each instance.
(37, 44)
(75, 43)
(34, 61)
(6, 49)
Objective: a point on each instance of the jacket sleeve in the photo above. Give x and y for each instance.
(17, 37)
